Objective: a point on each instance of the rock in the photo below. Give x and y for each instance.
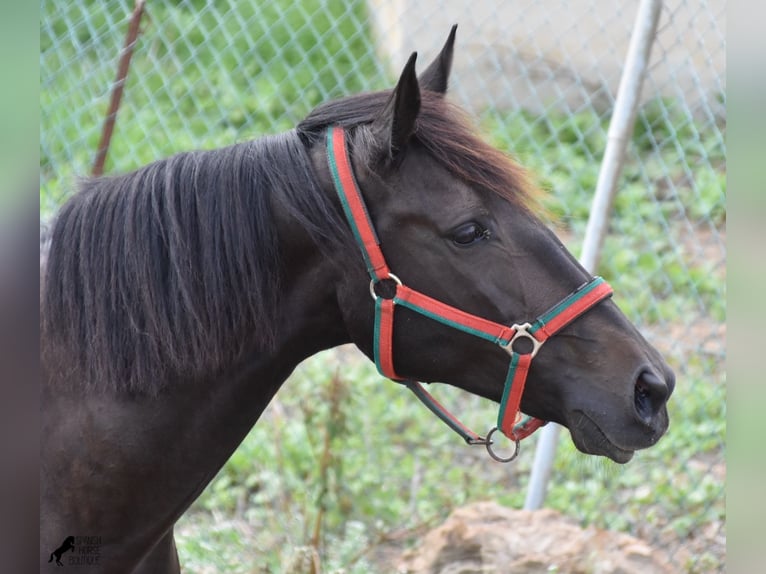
(486, 538)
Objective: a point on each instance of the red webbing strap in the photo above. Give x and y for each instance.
(570, 308)
(527, 426)
(453, 317)
(384, 338)
(353, 204)
(515, 381)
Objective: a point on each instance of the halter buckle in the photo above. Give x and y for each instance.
(522, 331)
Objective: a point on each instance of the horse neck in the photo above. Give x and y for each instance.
(309, 319)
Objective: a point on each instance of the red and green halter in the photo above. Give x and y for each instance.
(509, 419)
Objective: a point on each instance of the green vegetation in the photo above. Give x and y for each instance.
(207, 76)
(343, 463)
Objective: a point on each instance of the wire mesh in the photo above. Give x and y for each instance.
(540, 77)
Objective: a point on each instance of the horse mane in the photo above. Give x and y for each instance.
(160, 274)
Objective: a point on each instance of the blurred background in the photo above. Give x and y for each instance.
(346, 466)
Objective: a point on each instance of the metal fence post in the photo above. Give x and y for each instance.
(118, 87)
(620, 130)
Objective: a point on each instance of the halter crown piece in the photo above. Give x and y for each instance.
(509, 419)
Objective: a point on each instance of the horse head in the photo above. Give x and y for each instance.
(454, 221)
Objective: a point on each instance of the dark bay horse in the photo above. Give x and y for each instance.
(176, 299)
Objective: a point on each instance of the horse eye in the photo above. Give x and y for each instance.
(469, 233)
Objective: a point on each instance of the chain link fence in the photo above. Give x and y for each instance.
(540, 78)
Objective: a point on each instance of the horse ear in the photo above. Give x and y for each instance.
(396, 123)
(436, 76)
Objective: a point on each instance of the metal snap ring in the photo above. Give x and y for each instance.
(374, 282)
(496, 456)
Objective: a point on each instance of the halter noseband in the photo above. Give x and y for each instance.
(509, 420)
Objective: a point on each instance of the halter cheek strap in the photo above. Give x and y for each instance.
(509, 420)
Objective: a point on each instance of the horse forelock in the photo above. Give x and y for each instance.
(446, 131)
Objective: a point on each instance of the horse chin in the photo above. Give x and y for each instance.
(590, 439)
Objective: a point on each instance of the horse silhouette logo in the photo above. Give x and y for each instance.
(66, 546)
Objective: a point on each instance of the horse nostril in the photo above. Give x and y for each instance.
(651, 394)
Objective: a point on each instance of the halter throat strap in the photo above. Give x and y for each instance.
(509, 420)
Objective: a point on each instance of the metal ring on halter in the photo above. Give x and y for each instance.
(374, 282)
(494, 455)
(522, 331)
